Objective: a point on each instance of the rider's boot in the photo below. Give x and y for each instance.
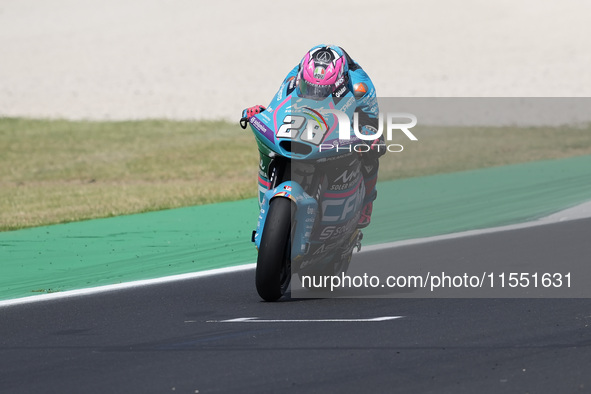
(365, 217)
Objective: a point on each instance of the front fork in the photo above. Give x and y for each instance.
(305, 216)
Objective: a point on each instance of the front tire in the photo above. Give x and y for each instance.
(273, 272)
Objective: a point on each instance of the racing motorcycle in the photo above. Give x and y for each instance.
(311, 191)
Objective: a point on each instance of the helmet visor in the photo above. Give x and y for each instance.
(313, 91)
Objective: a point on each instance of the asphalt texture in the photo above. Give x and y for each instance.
(171, 338)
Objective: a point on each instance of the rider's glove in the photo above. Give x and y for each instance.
(252, 111)
(376, 148)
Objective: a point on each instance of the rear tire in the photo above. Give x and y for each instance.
(273, 272)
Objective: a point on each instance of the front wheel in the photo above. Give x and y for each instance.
(273, 272)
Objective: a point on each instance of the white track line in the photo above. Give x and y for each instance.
(582, 211)
(579, 212)
(126, 285)
(257, 320)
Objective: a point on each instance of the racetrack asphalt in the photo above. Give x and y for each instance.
(172, 338)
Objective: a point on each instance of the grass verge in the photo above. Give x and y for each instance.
(55, 171)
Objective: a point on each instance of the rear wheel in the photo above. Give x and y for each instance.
(273, 272)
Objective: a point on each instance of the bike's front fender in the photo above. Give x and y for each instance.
(305, 216)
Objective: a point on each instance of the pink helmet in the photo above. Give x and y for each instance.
(322, 70)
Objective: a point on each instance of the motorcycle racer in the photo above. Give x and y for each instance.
(328, 70)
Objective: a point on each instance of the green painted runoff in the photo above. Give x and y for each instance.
(156, 244)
